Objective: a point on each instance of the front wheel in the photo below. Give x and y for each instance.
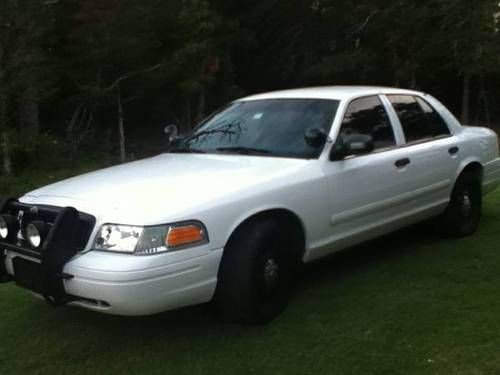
(463, 214)
(257, 273)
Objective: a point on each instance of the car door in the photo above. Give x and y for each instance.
(367, 192)
(431, 149)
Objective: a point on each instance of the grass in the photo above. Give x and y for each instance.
(409, 303)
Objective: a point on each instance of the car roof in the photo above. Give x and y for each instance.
(329, 92)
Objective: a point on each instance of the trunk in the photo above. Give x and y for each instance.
(200, 114)
(72, 123)
(485, 101)
(413, 80)
(187, 114)
(413, 83)
(4, 146)
(466, 99)
(487, 114)
(121, 129)
(4, 139)
(29, 114)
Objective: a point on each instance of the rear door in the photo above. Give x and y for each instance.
(432, 152)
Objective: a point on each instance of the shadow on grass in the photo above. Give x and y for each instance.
(389, 248)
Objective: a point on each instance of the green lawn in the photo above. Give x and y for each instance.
(409, 303)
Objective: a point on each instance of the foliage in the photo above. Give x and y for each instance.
(26, 29)
(87, 70)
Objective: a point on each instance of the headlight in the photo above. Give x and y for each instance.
(8, 226)
(36, 232)
(150, 240)
(4, 228)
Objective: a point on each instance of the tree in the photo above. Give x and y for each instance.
(94, 69)
(24, 44)
(200, 56)
(470, 30)
(115, 45)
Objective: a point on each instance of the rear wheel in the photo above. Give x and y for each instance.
(257, 274)
(463, 214)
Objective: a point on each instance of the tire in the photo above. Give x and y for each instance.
(463, 213)
(257, 274)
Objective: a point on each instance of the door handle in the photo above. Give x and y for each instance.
(402, 163)
(454, 150)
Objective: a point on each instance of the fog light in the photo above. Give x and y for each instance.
(7, 226)
(36, 233)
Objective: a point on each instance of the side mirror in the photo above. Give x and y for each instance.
(172, 132)
(352, 145)
(315, 137)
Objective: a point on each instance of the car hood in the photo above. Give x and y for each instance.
(174, 182)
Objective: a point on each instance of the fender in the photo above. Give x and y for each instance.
(463, 164)
(262, 210)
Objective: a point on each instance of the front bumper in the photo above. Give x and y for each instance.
(138, 285)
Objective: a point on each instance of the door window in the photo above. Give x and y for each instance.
(418, 119)
(367, 116)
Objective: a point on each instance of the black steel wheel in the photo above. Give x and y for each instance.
(256, 275)
(463, 214)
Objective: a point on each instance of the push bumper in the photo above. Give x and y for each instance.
(41, 269)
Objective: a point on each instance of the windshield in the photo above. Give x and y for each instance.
(274, 127)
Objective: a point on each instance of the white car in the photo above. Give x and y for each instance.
(234, 209)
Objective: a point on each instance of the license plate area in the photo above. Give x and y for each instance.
(27, 274)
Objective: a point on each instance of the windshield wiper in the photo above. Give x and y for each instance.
(244, 150)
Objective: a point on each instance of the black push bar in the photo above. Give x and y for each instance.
(69, 233)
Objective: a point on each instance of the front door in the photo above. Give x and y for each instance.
(367, 192)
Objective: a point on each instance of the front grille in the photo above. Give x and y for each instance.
(26, 213)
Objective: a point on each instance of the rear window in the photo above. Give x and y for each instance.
(419, 120)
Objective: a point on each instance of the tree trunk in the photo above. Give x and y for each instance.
(413, 83)
(4, 146)
(72, 123)
(4, 139)
(485, 101)
(200, 113)
(466, 99)
(413, 80)
(29, 114)
(187, 114)
(121, 128)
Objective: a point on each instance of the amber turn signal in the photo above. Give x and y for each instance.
(185, 235)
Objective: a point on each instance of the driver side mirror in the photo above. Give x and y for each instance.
(352, 145)
(172, 132)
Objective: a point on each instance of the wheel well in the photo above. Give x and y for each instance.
(291, 223)
(475, 169)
